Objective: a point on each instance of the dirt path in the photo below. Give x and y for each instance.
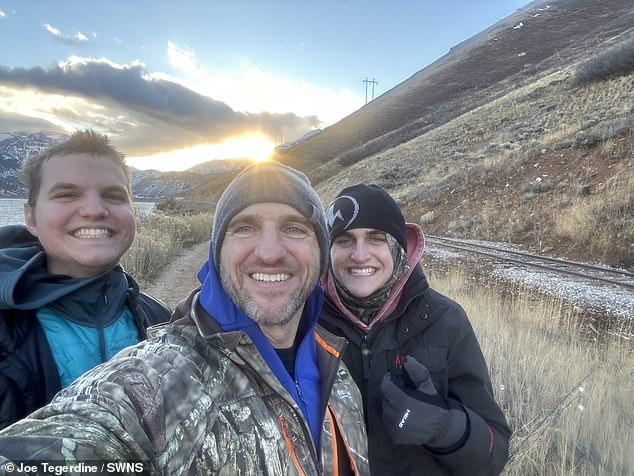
(179, 276)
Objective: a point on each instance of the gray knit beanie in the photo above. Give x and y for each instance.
(271, 181)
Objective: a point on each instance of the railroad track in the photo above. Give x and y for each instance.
(584, 271)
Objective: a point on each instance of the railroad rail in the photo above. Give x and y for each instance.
(586, 271)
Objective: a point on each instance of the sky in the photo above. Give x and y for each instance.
(176, 83)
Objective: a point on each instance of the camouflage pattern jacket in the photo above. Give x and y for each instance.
(196, 400)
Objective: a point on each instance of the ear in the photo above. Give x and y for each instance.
(29, 219)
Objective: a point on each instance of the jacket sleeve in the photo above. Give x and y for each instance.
(157, 311)
(93, 419)
(485, 448)
(132, 408)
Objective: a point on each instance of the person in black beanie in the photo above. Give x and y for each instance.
(425, 385)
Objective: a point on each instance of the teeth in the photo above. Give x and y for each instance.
(270, 278)
(361, 271)
(91, 233)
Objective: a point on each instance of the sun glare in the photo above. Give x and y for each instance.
(256, 147)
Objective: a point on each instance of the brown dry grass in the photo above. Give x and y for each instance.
(159, 240)
(568, 400)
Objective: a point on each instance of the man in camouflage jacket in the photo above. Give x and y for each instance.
(242, 380)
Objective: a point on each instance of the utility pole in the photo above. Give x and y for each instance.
(367, 81)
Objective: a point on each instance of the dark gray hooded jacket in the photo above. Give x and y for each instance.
(28, 374)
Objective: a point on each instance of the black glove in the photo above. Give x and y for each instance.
(414, 413)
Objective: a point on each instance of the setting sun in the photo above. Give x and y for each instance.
(254, 147)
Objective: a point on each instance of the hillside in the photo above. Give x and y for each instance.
(521, 134)
(540, 36)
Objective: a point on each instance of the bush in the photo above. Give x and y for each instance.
(159, 238)
(427, 218)
(613, 62)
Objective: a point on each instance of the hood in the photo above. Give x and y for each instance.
(415, 250)
(21, 256)
(305, 390)
(26, 284)
(218, 304)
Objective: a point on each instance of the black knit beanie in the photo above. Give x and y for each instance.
(366, 206)
(270, 181)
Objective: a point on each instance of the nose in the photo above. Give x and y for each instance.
(92, 205)
(359, 252)
(270, 248)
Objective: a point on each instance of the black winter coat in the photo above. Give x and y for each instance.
(437, 332)
(28, 374)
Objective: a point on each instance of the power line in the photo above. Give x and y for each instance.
(372, 82)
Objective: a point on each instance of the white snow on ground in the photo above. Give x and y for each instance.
(601, 297)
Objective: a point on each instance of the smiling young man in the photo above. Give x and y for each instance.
(65, 304)
(426, 390)
(242, 380)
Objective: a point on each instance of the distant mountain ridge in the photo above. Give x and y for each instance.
(13, 151)
(146, 184)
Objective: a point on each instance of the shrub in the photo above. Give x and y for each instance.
(612, 62)
(159, 238)
(427, 218)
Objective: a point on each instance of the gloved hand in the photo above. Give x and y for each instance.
(414, 413)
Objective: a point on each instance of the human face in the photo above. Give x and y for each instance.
(83, 214)
(269, 262)
(361, 260)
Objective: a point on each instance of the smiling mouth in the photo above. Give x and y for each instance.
(92, 233)
(270, 278)
(362, 271)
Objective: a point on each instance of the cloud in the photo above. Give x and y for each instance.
(11, 122)
(2, 14)
(252, 88)
(181, 58)
(77, 39)
(148, 113)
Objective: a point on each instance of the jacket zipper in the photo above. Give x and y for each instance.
(100, 329)
(367, 359)
(299, 416)
(290, 445)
